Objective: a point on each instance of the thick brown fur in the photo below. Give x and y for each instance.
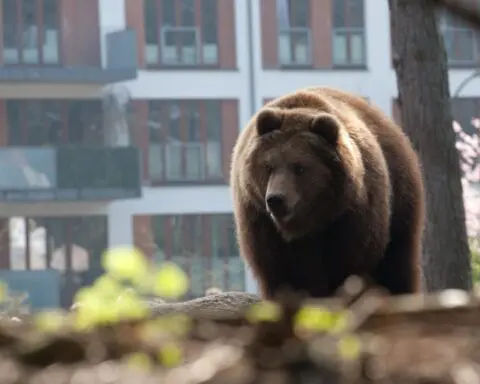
(352, 187)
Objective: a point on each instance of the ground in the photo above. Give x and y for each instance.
(432, 339)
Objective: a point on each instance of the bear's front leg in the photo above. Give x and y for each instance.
(262, 247)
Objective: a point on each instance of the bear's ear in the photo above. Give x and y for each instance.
(268, 121)
(327, 127)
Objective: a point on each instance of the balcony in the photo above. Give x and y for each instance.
(35, 174)
(121, 63)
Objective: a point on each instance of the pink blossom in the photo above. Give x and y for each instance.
(476, 122)
(469, 150)
(456, 126)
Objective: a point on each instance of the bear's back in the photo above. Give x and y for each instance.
(401, 159)
(334, 101)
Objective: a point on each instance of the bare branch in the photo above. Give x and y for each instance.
(224, 306)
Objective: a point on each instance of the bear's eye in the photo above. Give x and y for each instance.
(299, 169)
(269, 168)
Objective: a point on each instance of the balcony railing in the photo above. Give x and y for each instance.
(181, 46)
(294, 46)
(30, 174)
(348, 47)
(120, 64)
(186, 162)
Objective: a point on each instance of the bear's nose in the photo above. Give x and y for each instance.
(277, 205)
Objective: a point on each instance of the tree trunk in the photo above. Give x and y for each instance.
(420, 63)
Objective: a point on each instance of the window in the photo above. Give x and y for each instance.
(71, 245)
(461, 40)
(54, 122)
(204, 246)
(31, 32)
(181, 32)
(294, 34)
(185, 141)
(348, 33)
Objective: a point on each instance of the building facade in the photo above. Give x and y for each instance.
(127, 112)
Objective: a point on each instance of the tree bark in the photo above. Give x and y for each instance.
(420, 64)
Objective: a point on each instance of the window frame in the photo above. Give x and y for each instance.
(62, 232)
(63, 109)
(349, 32)
(450, 23)
(214, 230)
(39, 22)
(291, 30)
(161, 31)
(160, 108)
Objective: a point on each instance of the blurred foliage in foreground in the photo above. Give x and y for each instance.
(114, 335)
(117, 297)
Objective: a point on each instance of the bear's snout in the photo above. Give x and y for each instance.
(277, 205)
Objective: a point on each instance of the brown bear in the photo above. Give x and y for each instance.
(325, 186)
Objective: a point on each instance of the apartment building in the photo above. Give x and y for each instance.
(118, 117)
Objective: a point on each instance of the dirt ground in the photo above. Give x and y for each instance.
(417, 339)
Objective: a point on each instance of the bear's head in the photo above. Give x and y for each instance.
(301, 165)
